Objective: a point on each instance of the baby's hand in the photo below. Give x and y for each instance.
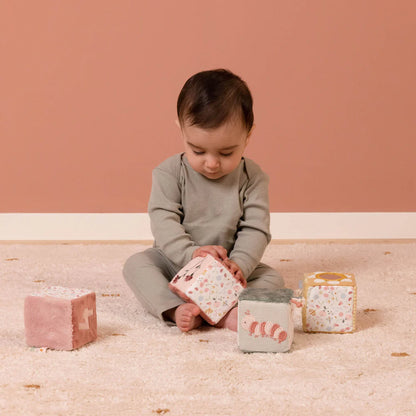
(235, 270)
(218, 252)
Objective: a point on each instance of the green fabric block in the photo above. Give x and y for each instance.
(267, 295)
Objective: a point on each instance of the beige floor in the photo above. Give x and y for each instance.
(138, 366)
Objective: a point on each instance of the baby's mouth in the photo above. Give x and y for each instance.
(213, 175)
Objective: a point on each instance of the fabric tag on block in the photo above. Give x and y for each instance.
(208, 284)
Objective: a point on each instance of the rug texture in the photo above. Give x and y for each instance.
(139, 366)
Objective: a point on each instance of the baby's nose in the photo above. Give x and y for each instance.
(211, 162)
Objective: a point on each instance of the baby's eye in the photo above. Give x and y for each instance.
(226, 154)
(197, 153)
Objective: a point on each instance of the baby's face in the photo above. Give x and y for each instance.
(215, 153)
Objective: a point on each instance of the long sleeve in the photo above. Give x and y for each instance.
(166, 215)
(253, 234)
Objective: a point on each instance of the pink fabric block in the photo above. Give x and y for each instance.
(60, 318)
(208, 284)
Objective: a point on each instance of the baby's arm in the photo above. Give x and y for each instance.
(166, 213)
(253, 233)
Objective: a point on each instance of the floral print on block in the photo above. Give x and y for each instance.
(329, 302)
(330, 309)
(207, 283)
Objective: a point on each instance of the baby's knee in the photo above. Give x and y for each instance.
(266, 277)
(132, 266)
(141, 265)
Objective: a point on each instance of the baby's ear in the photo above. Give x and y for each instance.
(177, 123)
(251, 130)
(249, 134)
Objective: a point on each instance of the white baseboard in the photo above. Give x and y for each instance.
(133, 227)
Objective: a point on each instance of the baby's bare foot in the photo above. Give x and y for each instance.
(230, 320)
(187, 317)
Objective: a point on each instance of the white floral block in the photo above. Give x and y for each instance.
(207, 283)
(265, 320)
(330, 302)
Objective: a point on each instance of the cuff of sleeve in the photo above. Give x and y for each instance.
(189, 253)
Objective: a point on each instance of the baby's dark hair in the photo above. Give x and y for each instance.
(210, 98)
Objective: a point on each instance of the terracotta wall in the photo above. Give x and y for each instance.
(88, 92)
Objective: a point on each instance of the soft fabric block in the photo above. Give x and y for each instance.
(208, 284)
(60, 318)
(330, 302)
(265, 320)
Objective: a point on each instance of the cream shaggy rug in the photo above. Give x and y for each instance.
(139, 366)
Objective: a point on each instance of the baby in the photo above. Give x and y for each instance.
(207, 200)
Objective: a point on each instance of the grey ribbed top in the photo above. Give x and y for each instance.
(188, 210)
